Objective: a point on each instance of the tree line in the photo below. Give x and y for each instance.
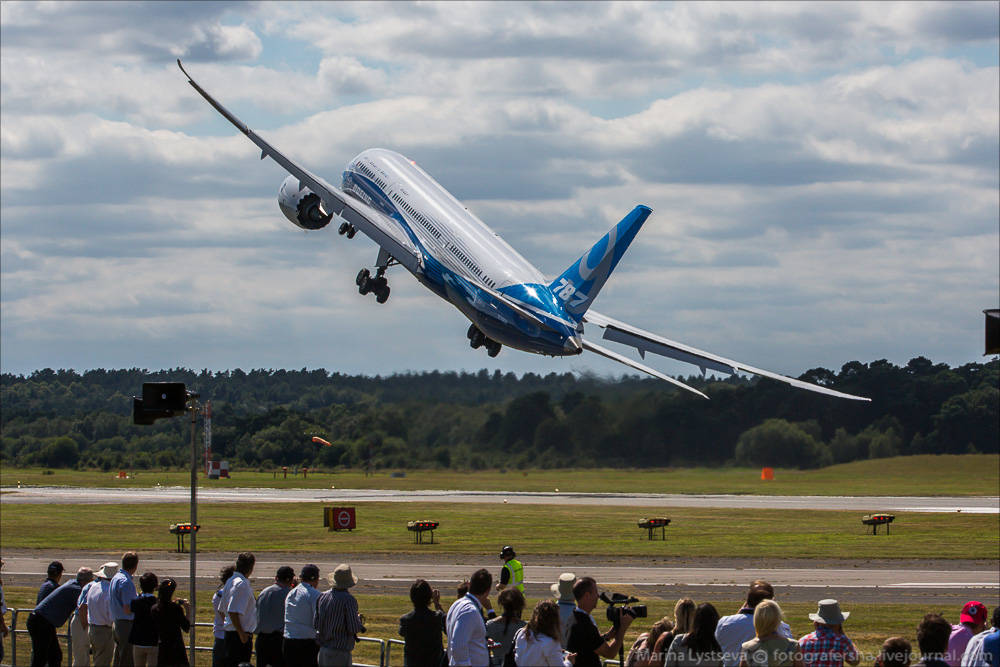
(264, 418)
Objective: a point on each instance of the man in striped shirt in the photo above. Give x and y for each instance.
(337, 620)
(466, 627)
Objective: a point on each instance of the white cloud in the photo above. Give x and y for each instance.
(823, 176)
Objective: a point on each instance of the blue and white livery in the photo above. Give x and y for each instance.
(420, 226)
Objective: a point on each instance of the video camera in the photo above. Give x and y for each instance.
(628, 607)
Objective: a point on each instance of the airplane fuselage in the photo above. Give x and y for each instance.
(462, 260)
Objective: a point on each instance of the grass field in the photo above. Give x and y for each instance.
(537, 529)
(868, 626)
(926, 475)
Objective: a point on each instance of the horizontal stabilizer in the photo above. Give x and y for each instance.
(604, 352)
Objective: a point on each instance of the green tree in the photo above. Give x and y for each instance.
(61, 452)
(777, 442)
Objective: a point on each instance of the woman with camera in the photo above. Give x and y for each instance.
(539, 643)
(502, 628)
(171, 618)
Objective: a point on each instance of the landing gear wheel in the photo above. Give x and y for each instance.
(351, 232)
(366, 286)
(477, 340)
(470, 334)
(493, 348)
(382, 295)
(344, 228)
(362, 275)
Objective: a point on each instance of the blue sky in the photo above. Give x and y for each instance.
(824, 177)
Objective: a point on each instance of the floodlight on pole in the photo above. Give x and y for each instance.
(164, 400)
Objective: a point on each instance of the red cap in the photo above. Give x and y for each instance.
(973, 612)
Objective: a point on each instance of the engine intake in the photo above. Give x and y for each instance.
(302, 207)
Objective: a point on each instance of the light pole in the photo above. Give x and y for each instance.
(162, 400)
(193, 410)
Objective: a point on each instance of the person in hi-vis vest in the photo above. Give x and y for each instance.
(512, 573)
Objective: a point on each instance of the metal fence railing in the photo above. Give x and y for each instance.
(389, 643)
(16, 632)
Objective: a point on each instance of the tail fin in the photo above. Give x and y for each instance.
(578, 285)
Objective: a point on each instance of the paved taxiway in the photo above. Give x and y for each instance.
(177, 494)
(800, 580)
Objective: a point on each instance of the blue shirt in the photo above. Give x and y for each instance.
(122, 593)
(271, 609)
(991, 649)
(46, 589)
(58, 605)
(300, 609)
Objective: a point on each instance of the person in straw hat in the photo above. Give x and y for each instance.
(562, 591)
(96, 609)
(338, 620)
(827, 645)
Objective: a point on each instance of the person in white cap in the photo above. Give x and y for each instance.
(95, 614)
(337, 619)
(827, 645)
(562, 590)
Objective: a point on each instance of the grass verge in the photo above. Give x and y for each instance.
(925, 475)
(556, 530)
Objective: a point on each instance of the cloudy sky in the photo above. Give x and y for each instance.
(824, 178)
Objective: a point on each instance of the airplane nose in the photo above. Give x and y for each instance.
(573, 345)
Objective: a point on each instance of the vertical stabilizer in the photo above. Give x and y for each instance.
(578, 285)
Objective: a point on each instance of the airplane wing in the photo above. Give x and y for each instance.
(604, 352)
(643, 341)
(379, 228)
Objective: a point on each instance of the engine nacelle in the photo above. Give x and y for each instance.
(302, 206)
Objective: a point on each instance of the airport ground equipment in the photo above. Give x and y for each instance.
(876, 520)
(180, 530)
(652, 523)
(418, 528)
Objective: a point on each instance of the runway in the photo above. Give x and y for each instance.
(177, 494)
(794, 580)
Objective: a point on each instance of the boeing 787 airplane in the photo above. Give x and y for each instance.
(420, 226)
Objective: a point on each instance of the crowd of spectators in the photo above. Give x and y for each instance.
(291, 623)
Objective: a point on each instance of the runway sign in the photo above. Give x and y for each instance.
(339, 518)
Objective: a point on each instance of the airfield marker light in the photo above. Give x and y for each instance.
(419, 527)
(652, 523)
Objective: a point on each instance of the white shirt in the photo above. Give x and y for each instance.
(973, 656)
(238, 598)
(541, 651)
(98, 603)
(733, 631)
(218, 626)
(467, 633)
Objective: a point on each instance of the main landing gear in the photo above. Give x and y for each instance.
(348, 230)
(377, 284)
(478, 339)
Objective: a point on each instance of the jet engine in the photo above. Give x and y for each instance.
(302, 206)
